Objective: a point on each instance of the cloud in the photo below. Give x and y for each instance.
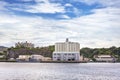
(96, 28)
(105, 3)
(2, 6)
(27, 0)
(99, 29)
(41, 6)
(46, 8)
(68, 5)
(63, 16)
(110, 3)
(6, 19)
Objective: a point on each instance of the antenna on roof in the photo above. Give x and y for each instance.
(67, 40)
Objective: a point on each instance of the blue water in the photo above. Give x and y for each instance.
(59, 71)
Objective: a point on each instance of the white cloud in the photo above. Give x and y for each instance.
(110, 3)
(105, 3)
(2, 5)
(42, 6)
(26, 0)
(89, 2)
(77, 12)
(46, 8)
(100, 29)
(64, 16)
(68, 5)
(6, 19)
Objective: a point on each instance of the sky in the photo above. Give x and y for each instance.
(92, 23)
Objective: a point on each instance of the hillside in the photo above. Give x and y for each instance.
(47, 51)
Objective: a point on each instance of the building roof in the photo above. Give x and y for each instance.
(104, 56)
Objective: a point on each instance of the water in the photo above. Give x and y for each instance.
(59, 71)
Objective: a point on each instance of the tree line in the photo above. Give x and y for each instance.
(14, 52)
(91, 52)
(47, 51)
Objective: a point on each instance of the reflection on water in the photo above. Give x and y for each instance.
(59, 71)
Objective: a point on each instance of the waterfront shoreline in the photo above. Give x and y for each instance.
(48, 62)
(55, 62)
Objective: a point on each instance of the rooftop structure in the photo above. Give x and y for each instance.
(24, 44)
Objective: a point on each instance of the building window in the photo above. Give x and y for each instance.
(69, 59)
(73, 59)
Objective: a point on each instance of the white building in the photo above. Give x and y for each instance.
(37, 57)
(24, 57)
(33, 58)
(105, 58)
(40, 58)
(24, 44)
(66, 51)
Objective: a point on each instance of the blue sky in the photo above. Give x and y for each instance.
(92, 23)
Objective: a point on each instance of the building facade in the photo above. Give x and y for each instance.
(66, 51)
(24, 44)
(32, 58)
(105, 58)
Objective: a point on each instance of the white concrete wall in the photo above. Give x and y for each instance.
(65, 56)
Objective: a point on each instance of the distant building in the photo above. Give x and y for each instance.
(23, 57)
(47, 59)
(2, 56)
(105, 58)
(84, 59)
(2, 49)
(24, 44)
(37, 57)
(66, 51)
(32, 58)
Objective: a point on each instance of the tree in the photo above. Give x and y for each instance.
(86, 52)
